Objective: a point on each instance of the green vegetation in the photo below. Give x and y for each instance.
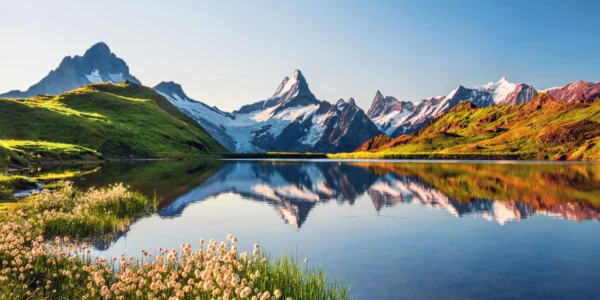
(543, 129)
(166, 180)
(39, 265)
(97, 212)
(35, 152)
(9, 158)
(10, 184)
(101, 120)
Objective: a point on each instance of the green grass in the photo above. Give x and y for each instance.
(96, 212)
(10, 184)
(34, 152)
(115, 121)
(45, 266)
(10, 159)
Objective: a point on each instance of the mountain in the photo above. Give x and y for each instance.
(291, 120)
(543, 128)
(579, 91)
(126, 120)
(388, 113)
(211, 118)
(97, 65)
(395, 122)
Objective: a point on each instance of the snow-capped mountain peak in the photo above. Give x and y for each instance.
(500, 90)
(394, 122)
(291, 120)
(291, 87)
(387, 112)
(290, 84)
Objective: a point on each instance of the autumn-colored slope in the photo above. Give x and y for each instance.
(541, 129)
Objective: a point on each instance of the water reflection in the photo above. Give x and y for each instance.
(393, 229)
(497, 192)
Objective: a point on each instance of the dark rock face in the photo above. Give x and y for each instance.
(98, 64)
(344, 127)
(354, 127)
(388, 104)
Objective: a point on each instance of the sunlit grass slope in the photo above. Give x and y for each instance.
(541, 129)
(115, 121)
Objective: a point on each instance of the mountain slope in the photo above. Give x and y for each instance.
(97, 65)
(542, 129)
(579, 91)
(211, 118)
(118, 121)
(407, 119)
(291, 120)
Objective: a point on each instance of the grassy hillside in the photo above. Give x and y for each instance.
(9, 158)
(541, 129)
(114, 121)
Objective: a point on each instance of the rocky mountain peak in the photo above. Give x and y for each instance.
(296, 83)
(98, 49)
(383, 105)
(97, 65)
(171, 88)
(351, 101)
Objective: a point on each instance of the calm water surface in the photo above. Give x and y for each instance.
(391, 229)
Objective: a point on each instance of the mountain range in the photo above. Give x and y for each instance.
(293, 119)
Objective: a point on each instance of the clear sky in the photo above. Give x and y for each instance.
(229, 53)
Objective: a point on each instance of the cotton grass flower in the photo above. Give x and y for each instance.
(64, 265)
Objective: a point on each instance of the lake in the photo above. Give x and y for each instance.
(390, 229)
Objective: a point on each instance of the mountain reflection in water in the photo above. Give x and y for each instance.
(393, 230)
(497, 192)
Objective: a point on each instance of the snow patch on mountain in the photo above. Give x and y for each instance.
(116, 77)
(499, 90)
(388, 123)
(94, 77)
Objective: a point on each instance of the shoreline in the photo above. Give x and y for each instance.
(352, 156)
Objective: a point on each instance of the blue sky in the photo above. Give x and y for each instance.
(229, 53)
